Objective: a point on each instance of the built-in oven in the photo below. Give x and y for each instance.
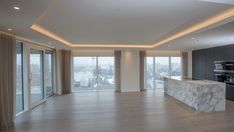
(220, 77)
(224, 72)
(218, 66)
(224, 66)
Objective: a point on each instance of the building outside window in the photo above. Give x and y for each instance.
(93, 73)
(160, 67)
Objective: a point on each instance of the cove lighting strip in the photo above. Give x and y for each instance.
(50, 34)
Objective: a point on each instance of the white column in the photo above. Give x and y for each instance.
(130, 71)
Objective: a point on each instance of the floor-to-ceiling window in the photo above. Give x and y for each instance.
(106, 73)
(84, 73)
(176, 66)
(162, 70)
(93, 73)
(160, 67)
(150, 72)
(19, 78)
(48, 73)
(36, 76)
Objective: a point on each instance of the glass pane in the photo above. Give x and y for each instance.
(84, 73)
(106, 71)
(150, 72)
(19, 79)
(36, 76)
(48, 74)
(175, 66)
(161, 70)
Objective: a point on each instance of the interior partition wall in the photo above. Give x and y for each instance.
(93, 73)
(159, 67)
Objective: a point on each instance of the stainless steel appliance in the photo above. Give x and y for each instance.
(224, 66)
(224, 72)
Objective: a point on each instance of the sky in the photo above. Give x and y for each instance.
(92, 61)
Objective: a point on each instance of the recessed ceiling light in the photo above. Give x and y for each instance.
(9, 29)
(16, 8)
(193, 38)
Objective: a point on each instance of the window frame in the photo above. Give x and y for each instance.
(52, 72)
(96, 69)
(154, 69)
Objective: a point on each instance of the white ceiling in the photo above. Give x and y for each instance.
(222, 35)
(107, 21)
(123, 21)
(21, 21)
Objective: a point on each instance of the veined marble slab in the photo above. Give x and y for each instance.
(202, 95)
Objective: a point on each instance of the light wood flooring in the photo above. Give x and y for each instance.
(121, 112)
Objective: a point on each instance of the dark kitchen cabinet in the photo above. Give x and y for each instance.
(230, 92)
(199, 64)
(203, 64)
(209, 73)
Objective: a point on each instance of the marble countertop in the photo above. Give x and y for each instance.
(202, 95)
(195, 81)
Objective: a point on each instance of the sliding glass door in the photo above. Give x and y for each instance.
(19, 78)
(93, 73)
(36, 76)
(48, 73)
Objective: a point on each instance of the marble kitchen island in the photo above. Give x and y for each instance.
(201, 95)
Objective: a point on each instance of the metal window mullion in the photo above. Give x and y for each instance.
(43, 73)
(169, 67)
(97, 73)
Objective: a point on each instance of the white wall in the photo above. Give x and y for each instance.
(130, 71)
(190, 65)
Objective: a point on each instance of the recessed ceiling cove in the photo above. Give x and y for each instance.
(230, 2)
(123, 22)
(218, 36)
